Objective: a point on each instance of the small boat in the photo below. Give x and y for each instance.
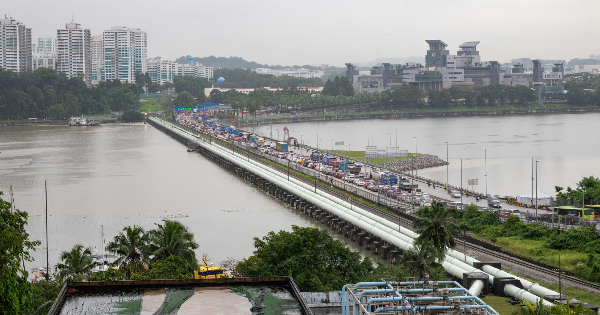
(208, 272)
(81, 121)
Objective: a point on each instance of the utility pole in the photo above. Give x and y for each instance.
(447, 164)
(461, 188)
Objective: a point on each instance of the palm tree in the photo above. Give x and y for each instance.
(436, 224)
(75, 262)
(173, 238)
(130, 245)
(421, 260)
(527, 308)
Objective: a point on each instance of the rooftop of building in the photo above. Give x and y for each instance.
(272, 295)
(472, 44)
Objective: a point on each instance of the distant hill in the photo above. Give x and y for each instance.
(226, 62)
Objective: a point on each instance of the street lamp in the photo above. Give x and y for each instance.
(277, 134)
(416, 153)
(348, 142)
(447, 164)
(536, 190)
(486, 179)
(390, 146)
(301, 144)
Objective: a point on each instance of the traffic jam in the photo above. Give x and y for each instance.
(379, 181)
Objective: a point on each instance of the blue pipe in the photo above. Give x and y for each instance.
(405, 308)
(423, 298)
(375, 291)
(344, 299)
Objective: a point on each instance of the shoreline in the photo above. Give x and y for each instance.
(417, 114)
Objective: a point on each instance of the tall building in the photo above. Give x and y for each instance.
(125, 53)
(97, 58)
(15, 46)
(74, 53)
(44, 48)
(164, 70)
(437, 55)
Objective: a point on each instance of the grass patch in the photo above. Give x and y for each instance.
(535, 250)
(360, 155)
(149, 105)
(500, 304)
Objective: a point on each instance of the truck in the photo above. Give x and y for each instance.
(328, 159)
(282, 146)
(354, 169)
(344, 165)
(260, 141)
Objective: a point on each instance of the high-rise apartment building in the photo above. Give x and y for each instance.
(73, 50)
(44, 48)
(97, 58)
(125, 53)
(15, 46)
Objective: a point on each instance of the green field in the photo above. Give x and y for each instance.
(360, 155)
(149, 105)
(500, 304)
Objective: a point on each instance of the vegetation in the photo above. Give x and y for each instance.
(578, 248)
(588, 187)
(246, 78)
(130, 245)
(315, 260)
(76, 264)
(14, 249)
(173, 239)
(46, 93)
(132, 116)
(435, 225)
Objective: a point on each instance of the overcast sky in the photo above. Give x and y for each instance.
(331, 31)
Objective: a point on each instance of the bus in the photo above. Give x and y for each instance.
(596, 209)
(389, 179)
(588, 213)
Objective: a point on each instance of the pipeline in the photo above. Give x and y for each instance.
(371, 223)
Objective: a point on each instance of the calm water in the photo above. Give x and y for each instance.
(567, 145)
(121, 175)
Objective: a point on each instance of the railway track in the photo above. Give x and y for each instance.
(407, 223)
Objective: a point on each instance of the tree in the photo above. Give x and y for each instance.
(130, 245)
(173, 239)
(421, 260)
(184, 99)
(154, 87)
(346, 88)
(315, 260)
(76, 263)
(192, 85)
(215, 96)
(435, 225)
(14, 249)
(445, 97)
(132, 116)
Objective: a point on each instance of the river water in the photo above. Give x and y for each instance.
(567, 146)
(120, 175)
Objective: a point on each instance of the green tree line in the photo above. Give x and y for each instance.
(45, 93)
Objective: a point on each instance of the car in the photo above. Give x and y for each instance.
(493, 202)
(455, 194)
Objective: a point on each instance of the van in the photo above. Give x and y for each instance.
(455, 205)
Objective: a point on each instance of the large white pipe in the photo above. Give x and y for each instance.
(476, 287)
(371, 223)
(521, 294)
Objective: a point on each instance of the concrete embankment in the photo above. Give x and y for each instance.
(416, 113)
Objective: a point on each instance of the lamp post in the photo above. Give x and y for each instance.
(486, 179)
(348, 142)
(301, 144)
(447, 164)
(536, 190)
(390, 146)
(416, 153)
(277, 135)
